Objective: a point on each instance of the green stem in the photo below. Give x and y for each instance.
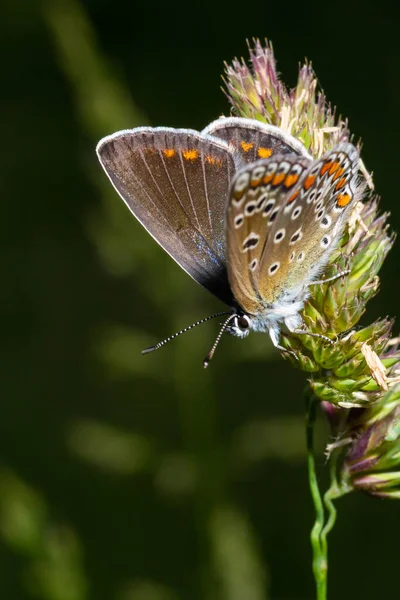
(320, 530)
(329, 496)
(320, 558)
(335, 491)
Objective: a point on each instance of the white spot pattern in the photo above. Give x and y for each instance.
(273, 216)
(326, 222)
(296, 237)
(249, 208)
(257, 174)
(296, 213)
(326, 241)
(253, 264)
(280, 234)
(273, 268)
(300, 257)
(268, 208)
(241, 182)
(238, 221)
(250, 242)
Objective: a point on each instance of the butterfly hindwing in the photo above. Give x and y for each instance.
(291, 212)
(310, 224)
(176, 183)
(258, 191)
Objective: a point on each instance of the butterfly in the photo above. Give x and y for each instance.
(242, 207)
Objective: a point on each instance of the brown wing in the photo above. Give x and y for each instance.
(176, 183)
(253, 140)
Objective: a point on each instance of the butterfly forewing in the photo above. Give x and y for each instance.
(253, 140)
(176, 183)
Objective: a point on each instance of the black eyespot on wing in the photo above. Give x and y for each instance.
(250, 208)
(273, 215)
(295, 237)
(250, 242)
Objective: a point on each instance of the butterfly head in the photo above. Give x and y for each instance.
(240, 325)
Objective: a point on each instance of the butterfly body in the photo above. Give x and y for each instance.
(241, 207)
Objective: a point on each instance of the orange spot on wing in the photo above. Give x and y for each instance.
(211, 159)
(168, 152)
(293, 197)
(334, 168)
(264, 152)
(343, 200)
(190, 154)
(290, 180)
(255, 182)
(340, 183)
(278, 179)
(246, 146)
(326, 168)
(309, 181)
(338, 174)
(268, 178)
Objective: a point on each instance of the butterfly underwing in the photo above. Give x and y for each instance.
(241, 207)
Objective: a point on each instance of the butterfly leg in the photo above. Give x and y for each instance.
(293, 324)
(316, 335)
(333, 278)
(274, 335)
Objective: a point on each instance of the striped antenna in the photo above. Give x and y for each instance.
(219, 336)
(157, 346)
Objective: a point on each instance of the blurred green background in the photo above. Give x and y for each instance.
(126, 477)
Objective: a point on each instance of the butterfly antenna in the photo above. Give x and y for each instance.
(168, 339)
(219, 336)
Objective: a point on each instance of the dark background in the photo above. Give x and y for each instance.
(146, 478)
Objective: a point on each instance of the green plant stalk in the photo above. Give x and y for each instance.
(322, 506)
(320, 555)
(329, 496)
(334, 492)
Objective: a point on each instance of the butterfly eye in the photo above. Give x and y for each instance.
(243, 322)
